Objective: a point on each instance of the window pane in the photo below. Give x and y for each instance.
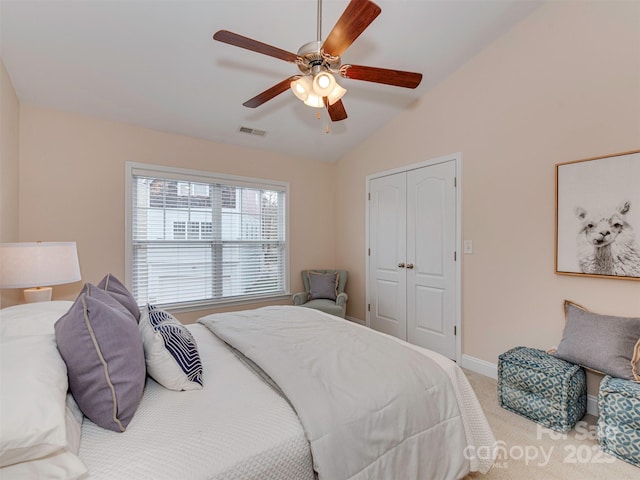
(179, 230)
(193, 230)
(194, 241)
(172, 274)
(228, 197)
(206, 231)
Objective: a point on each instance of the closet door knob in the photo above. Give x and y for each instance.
(409, 266)
(401, 265)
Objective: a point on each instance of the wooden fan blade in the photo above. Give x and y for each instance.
(336, 111)
(272, 92)
(253, 45)
(397, 78)
(354, 20)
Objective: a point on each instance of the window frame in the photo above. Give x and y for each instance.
(135, 168)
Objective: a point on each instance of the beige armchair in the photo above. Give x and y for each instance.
(324, 290)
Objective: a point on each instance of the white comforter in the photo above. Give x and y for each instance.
(371, 407)
(235, 428)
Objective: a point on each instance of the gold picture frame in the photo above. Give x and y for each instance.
(598, 217)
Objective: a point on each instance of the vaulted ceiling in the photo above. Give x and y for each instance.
(155, 64)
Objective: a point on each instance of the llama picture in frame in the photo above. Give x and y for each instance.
(598, 216)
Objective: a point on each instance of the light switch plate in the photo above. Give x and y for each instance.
(468, 247)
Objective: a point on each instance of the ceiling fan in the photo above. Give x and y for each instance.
(318, 62)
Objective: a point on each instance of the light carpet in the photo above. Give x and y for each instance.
(530, 451)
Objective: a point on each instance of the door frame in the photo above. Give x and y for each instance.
(457, 158)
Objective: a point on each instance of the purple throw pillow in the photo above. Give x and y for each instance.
(323, 285)
(101, 344)
(117, 289)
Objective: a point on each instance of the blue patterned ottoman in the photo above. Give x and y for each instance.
(541, 387)
(618, 428)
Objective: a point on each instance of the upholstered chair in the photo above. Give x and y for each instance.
(324, 290)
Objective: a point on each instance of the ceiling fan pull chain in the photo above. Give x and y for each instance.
(326, 126)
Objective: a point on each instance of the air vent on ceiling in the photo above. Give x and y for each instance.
(253, 131)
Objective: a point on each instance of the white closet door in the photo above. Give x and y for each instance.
(431, 268)
(387, 243)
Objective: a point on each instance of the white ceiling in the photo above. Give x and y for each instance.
(155, 64)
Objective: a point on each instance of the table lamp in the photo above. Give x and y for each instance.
(36, 265)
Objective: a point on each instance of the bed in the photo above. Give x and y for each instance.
(286, 393)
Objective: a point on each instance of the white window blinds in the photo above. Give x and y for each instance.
(198, 239)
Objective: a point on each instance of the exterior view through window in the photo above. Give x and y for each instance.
(204, 240)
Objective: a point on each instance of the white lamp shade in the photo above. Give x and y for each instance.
(301, 88)
(314, 100)
(336, 94)
(311, 92)
(38, 264)
(323, 84)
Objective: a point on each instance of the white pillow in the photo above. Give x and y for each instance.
(32, 318)
(170, 351)
(37, 424)
(62, 465)
(73, 418)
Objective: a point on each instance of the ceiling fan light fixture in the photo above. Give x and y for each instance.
(301, 88)
(336, 94)
(323, 84)
(319, 62)
(314, 100)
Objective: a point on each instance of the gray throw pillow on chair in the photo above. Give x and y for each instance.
(323, 285)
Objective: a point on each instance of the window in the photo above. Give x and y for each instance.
(179, 230)
(196, 238)
(228, 197)
(193, 233)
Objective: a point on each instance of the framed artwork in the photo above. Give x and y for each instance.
(598, 216)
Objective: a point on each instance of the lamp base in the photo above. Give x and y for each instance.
(39, 294)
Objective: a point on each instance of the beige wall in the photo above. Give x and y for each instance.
(9, 138)
(562, 85)
(9, 156)
(72, 181)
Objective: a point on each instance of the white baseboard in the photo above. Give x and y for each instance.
(482, 367)
(490, 370)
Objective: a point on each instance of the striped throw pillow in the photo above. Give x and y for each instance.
(171, 352)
